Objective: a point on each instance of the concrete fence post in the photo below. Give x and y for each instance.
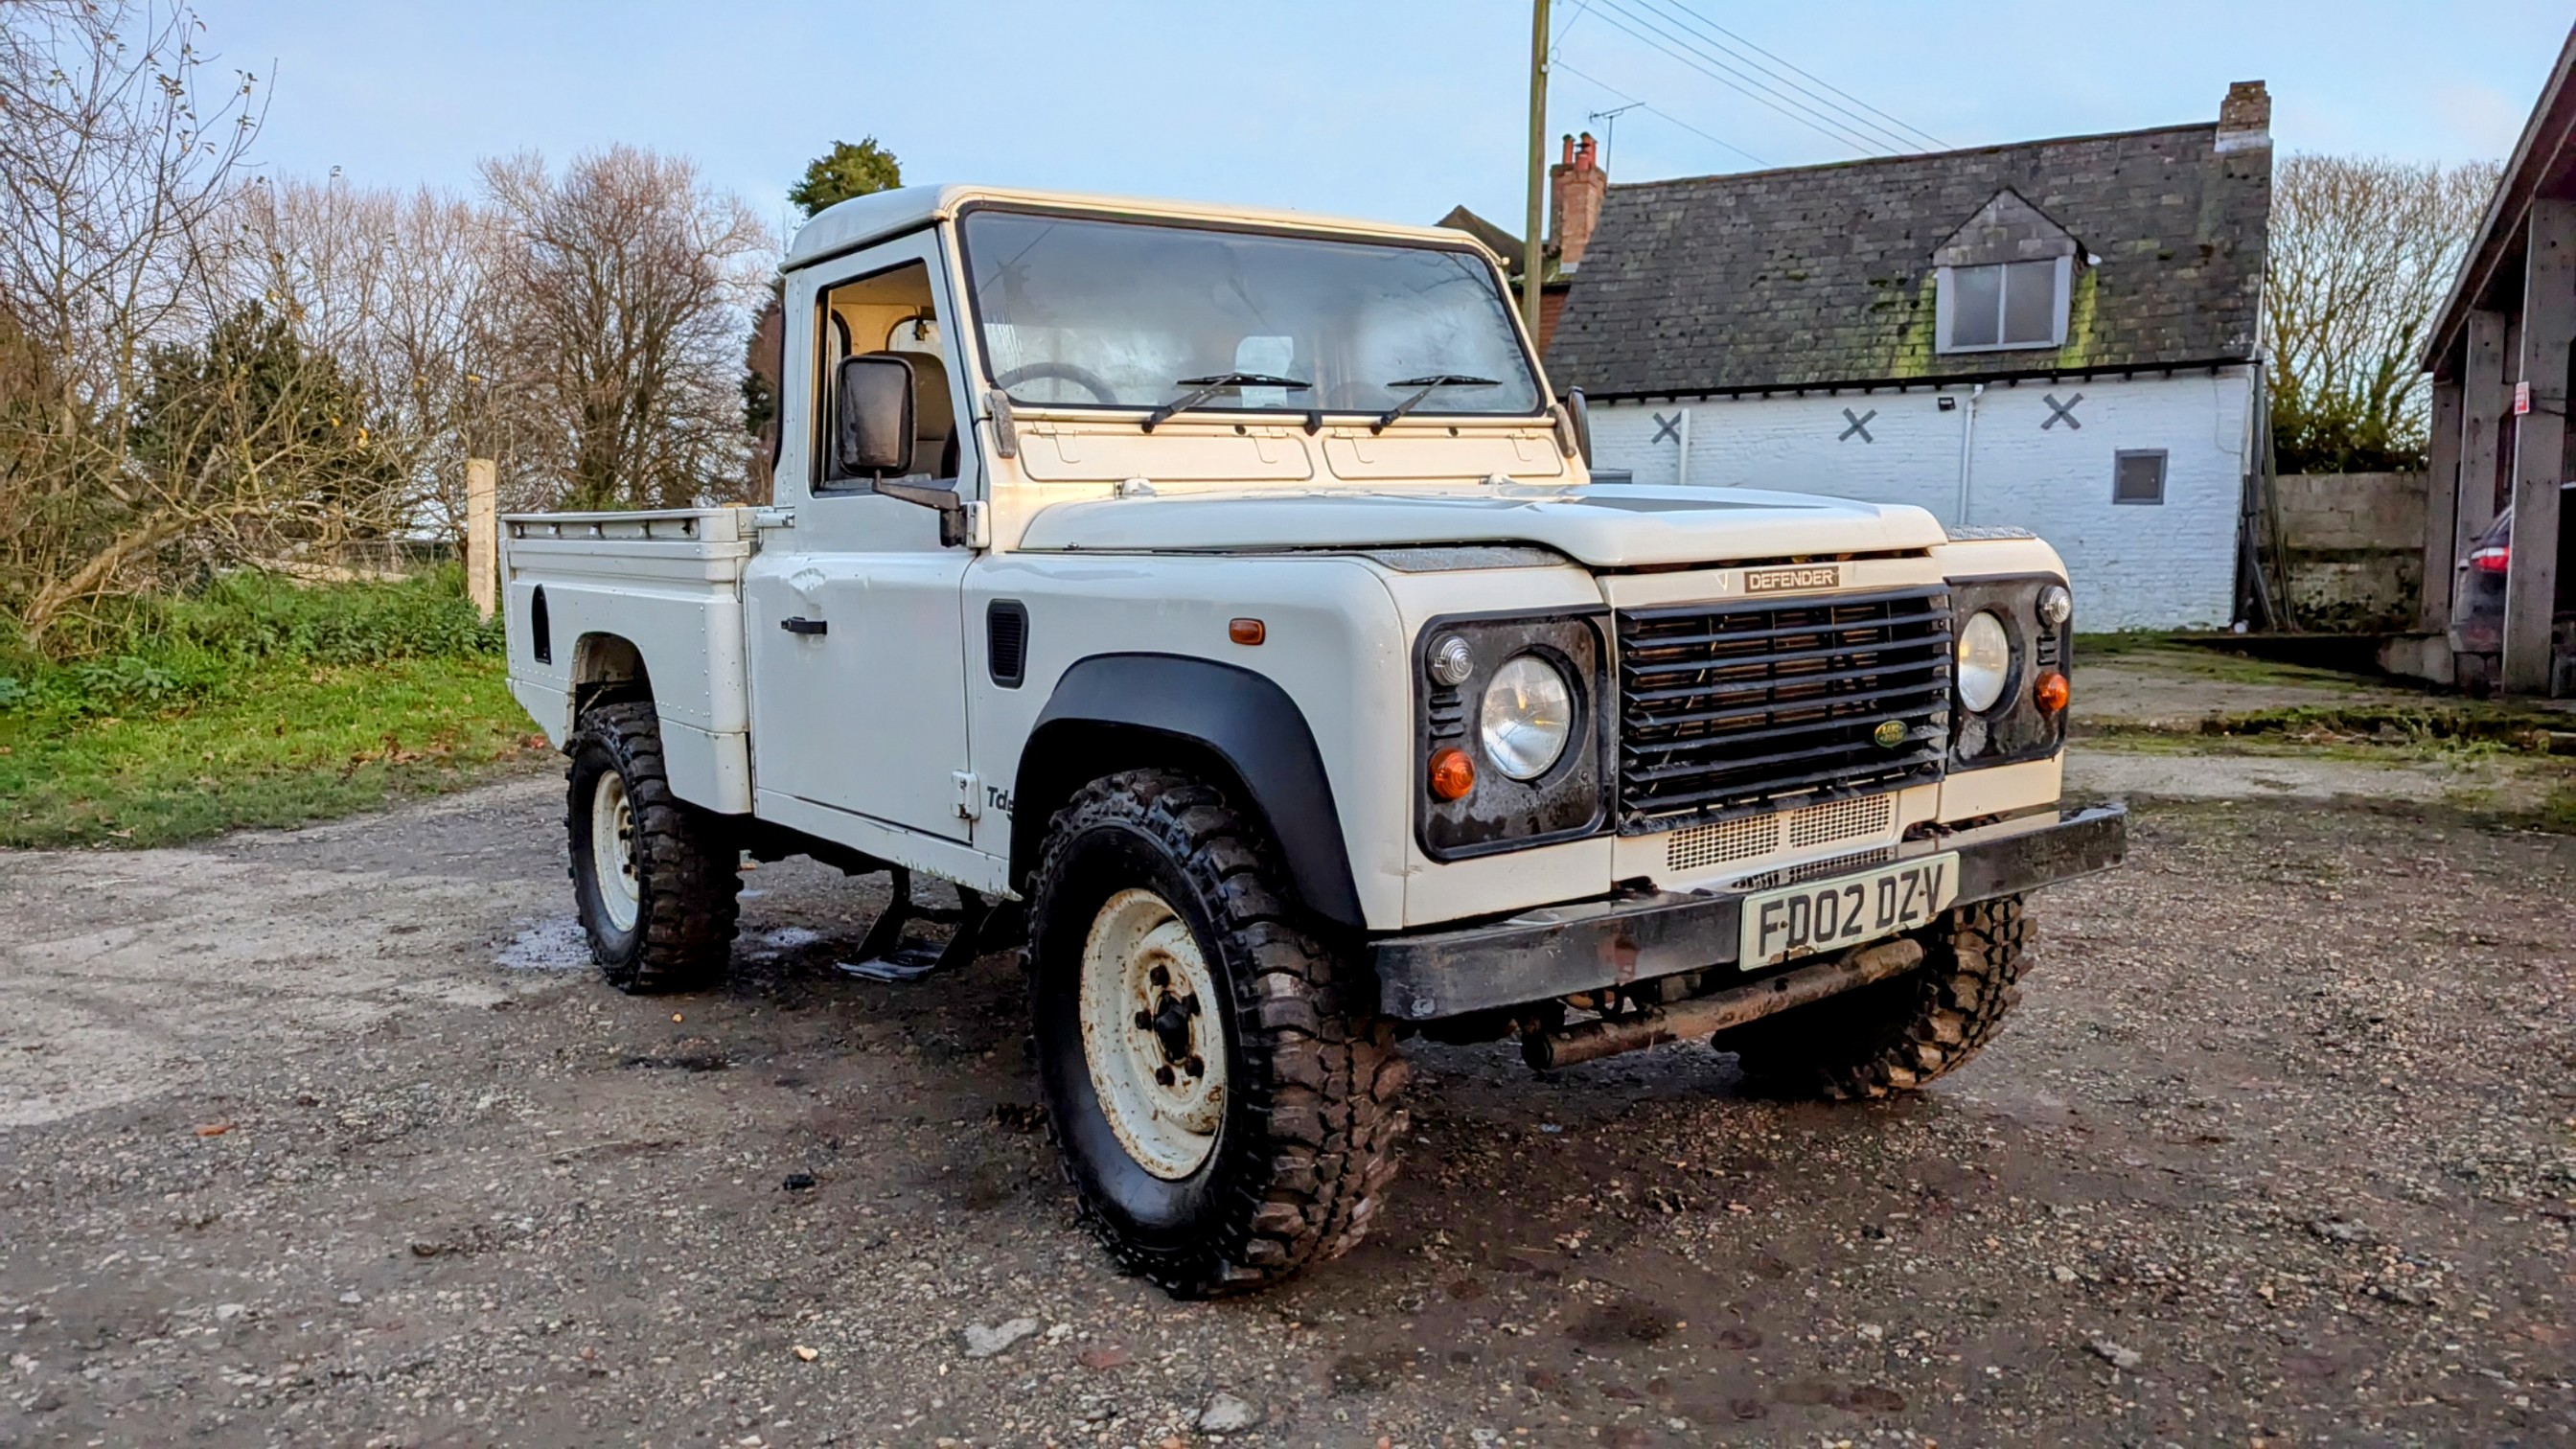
(482, 535)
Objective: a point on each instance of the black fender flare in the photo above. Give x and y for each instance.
(1243, 721)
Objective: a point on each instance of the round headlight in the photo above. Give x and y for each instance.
(1985, 662)
(1527, 717)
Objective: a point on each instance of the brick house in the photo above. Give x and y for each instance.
(2056, 335)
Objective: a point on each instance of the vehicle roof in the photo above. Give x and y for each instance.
(863, 219)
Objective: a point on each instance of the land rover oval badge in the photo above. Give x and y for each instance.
(1889, 734)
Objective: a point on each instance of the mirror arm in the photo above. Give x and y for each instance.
(952, 509)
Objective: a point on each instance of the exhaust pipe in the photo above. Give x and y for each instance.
(1704, 1016)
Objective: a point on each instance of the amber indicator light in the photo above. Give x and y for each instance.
(2051, 691)
(1246, 631)
(1452, 773)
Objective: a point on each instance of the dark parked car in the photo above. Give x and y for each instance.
(2477, 598)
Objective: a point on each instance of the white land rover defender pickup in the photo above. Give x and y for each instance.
(1217, 599)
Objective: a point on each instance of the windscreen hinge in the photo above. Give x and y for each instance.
(1006, 433)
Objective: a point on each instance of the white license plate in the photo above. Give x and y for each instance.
(1828, 915)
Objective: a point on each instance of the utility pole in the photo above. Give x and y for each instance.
(1537, 166)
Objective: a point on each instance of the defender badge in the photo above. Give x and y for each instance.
(1791, 580)
(1889, 734)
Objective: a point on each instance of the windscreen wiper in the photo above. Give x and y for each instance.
(1426, 386)
(1209, 387)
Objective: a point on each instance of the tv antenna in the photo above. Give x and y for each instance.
(1609, 120)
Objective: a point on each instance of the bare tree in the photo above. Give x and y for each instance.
(199, 366)
(628, 282)
(399, 291)
(2362, 251)
(115, 160)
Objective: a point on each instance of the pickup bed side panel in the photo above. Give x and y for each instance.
(668, 585)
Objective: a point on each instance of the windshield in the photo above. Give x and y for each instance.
(1140, 315)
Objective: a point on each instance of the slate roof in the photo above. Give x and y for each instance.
(1824, 275)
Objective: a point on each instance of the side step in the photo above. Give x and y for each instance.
(888, 955)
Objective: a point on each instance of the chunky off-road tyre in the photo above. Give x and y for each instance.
(655, 877)
(1223, 1098)
(1897, 1034)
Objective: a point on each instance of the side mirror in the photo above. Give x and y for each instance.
(872, 416)
(1582, 418)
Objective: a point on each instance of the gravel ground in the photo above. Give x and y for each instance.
(332, 1137)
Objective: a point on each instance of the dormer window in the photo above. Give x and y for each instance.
(2005, 304)
(2003, 279)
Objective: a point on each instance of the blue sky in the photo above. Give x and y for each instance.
(1394, 110)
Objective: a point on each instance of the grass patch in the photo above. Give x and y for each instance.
(2558, 812)
(2427, 726)
(2113, 646)
(2169, 655)
(295, 743)
(256, 702)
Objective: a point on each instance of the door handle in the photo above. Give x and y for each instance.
(800, 625)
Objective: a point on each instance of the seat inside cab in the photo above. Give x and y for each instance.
(894, 313)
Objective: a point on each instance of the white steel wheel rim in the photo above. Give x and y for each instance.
(612, 850)
(1151, 1035)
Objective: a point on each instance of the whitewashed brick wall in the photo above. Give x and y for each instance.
(2166, 566)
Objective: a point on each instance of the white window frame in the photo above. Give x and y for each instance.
(1945, 289)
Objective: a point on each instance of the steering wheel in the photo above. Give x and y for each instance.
(1081, 377)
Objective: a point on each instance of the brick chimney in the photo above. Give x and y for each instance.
(1576, 186)
(2245, 118)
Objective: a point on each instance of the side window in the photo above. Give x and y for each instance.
(890, 311)
(2139, 476)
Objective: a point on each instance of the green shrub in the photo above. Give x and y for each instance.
(169, 651)
(260, 616)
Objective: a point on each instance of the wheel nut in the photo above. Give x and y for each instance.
(1160, 976)
(1163, 1075)
(1144, 1021)
(1190, 1003)
(1194, 1066)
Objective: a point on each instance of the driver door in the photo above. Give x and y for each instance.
(856, 643)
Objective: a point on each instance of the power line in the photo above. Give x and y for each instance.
(1805, 99)
(1565, 25)
(1688, 49)
(1653, 110)
(1615, 16)
(1936, 141)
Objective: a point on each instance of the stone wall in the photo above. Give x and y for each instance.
(2354, 545)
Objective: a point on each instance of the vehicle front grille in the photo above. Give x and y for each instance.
(1750, 837)
(1729, 709)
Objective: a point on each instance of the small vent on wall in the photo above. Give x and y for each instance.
(1006, 641)
(541, 632)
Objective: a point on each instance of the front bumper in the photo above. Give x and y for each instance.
(1560, 950)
